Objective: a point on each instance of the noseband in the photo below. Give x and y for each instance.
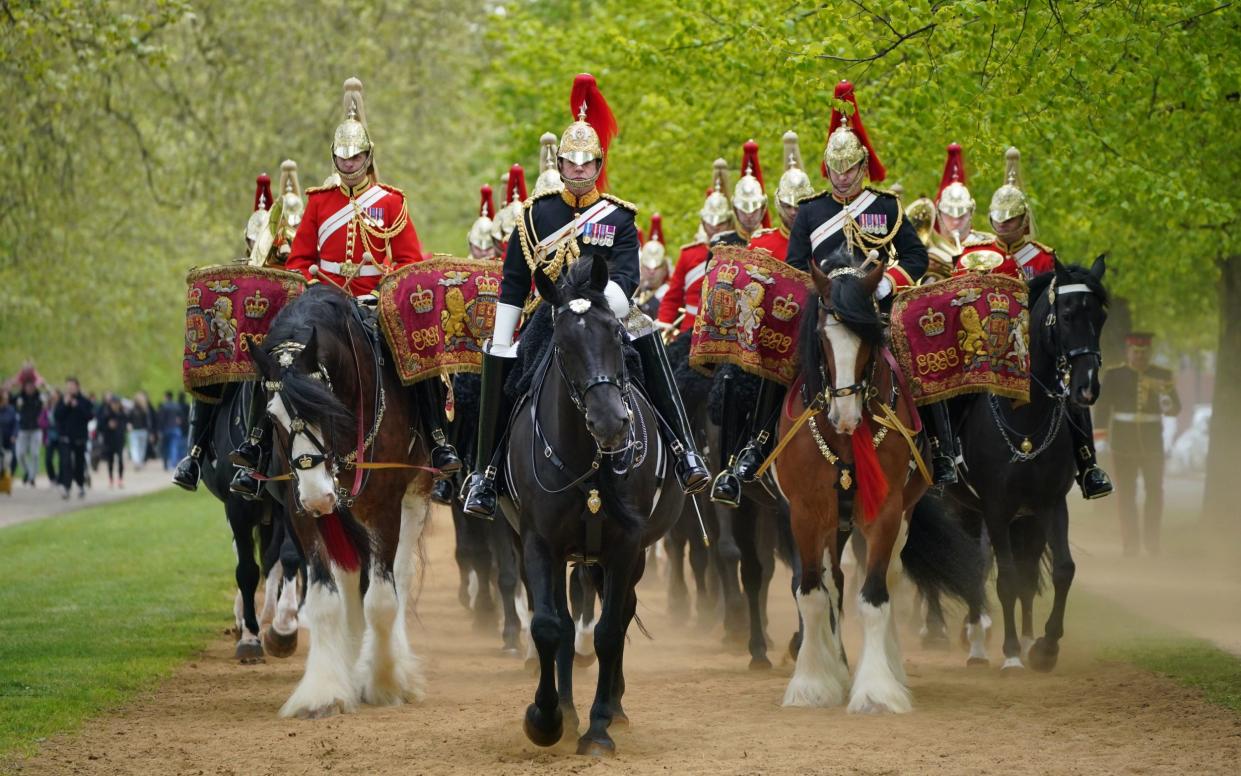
(825, 309)
(1064, 359)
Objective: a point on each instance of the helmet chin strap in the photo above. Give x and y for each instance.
(352, 179)
(586, 184)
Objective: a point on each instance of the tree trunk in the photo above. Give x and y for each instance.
(1219, 503)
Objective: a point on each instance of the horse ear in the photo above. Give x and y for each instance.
(822, 283)
(311, 352)
(547, 288)
(599, 273)
(262, 359)
(1099, 268)
(871, 281)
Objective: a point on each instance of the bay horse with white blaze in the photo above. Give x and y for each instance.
(589, 479)
(359, 500)
(846, 369)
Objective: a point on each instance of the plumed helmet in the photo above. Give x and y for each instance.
(291, 203)
(549, 174)
(717, 209)
(654, 254)
(749, 194)
(794, 183)
(589, 136)
(847, 141)
(954, 198)
(480, 234)
(1009, 201)
(351, 136)
(510, 209)
(262, 204)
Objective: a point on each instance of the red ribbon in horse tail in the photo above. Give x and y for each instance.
(872, 484)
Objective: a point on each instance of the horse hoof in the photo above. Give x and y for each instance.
(582, 661)
(978, 662)
(249, 652)
(279, 644)
(1012, 666)
(320, 712)
(760, 663)
(596, 748)
(543, 732)
(509, 651)
(1043, 655)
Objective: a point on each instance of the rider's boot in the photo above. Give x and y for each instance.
(480, 486)
(762, 421)
(943, 443)
(250, 454)
(442, 492)
(189, 468)
(726, 489)
(691, 469)
(430, 404)
(1093, 481)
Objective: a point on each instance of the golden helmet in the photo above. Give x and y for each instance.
(848, 143)
(481, 233)
(748, 194)
(717, 209)
(954, 198)
(291, 204)
(794, 183)
(654, 254)
(1009, 201)
(262, 204)
(549, 173)
(588, 137)
(351, 137)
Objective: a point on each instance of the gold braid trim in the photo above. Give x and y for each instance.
(857, 238)
(563, 254)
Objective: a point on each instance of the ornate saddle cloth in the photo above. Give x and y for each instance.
(750, 312)
(228, 310)
(967, 334)
(436, 315)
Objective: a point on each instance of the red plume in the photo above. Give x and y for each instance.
(749, 163)
(875, 168)
(657, 227)
(598, 116)
(954, 169)
(488, 206)
(516, 184)
(872, 484)
(262, 192)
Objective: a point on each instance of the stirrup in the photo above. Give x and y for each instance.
(1095, 483)
(246, 455)
(188, 470)
(726, 489)
(245, 485)
(480, 494)
(943, 470)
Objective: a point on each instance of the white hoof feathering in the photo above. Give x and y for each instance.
(389, 673)
(271, 591)
(1012, 664)
(876, 687)
(820, 677)
(239, 618)
(327, 685)
(584, 636)
(976, 633)
(285, 621)
(1026, 643)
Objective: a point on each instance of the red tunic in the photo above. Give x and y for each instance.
(774, 241)
(685, 286)
(1027, 260)
(331, 236)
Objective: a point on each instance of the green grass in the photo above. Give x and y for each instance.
(1192, 663)
(100, 604)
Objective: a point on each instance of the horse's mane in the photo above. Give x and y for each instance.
(330, 310)
(852, 305)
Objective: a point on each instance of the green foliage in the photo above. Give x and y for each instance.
(1126, 112)
(101, 603)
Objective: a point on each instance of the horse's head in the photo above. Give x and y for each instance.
(312, 424)
(839, 342)
(1069, 306)
(588, 343)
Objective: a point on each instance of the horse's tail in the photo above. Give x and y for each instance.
(940, 556)
(1029, 542)
(345, 538)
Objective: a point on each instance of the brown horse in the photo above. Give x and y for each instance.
(337, 402)
(858, 463)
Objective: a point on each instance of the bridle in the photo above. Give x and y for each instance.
(1051, 324)
(868, 370)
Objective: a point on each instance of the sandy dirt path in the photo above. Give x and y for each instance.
(695, 707)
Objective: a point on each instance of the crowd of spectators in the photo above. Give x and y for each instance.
(64, 434)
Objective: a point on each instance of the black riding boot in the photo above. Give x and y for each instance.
(726, 489)
(430, 405)
(480, 486)
(1093, 480)
(762, 423)
(691, 469)
(943, 443)
(251, 454)
(189, 468)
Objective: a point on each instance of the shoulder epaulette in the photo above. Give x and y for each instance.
(978, 238)
(763, 231)
(318, 189)
(618, 201)
(816, 195)
(541, 195)
(1044, 247)
(392, 189)
(687, 246)
(884, 192)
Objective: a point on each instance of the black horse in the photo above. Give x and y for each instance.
(1019, 462)
(280, 559)
(589, 479)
